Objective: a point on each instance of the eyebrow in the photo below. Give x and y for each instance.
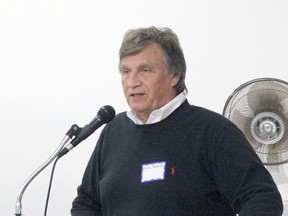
(121, 67)
(143, 65)
(150, 66)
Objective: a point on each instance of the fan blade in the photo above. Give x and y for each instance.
(240, 120)
(284, 104)
(243, 123)
(267, 95)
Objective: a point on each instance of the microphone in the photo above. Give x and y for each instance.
(104, 115)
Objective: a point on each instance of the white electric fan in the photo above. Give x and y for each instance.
(260, 109)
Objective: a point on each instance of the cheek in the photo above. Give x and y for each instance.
(123, 83)
(160, 84)
(124, 89)
(156, 88)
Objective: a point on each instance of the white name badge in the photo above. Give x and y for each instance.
(153, 171)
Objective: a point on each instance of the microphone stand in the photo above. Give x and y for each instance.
(71, 132)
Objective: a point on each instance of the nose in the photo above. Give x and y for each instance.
(133, 80)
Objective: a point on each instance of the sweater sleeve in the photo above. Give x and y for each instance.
(242, 178)
(87, 201)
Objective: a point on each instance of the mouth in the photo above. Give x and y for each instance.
(136, 95)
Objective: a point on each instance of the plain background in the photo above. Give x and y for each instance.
(59, 65)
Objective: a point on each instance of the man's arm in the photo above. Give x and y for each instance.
(84, 205)
(242, 179)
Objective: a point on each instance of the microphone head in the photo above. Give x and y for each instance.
(106, 114)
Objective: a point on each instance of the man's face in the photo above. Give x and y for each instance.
(146, 83)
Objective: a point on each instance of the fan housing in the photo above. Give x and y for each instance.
(260, 109)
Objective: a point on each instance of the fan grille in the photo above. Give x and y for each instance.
(260, 109)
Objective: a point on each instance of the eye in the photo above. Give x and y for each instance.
(146, 70)
(124, 71)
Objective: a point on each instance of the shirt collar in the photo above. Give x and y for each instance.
(161, 113)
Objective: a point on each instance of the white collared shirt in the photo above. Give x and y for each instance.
(161, 113)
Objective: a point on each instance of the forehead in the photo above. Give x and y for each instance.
(149, 55)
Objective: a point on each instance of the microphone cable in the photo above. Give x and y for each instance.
(104, 115)
(50, 185)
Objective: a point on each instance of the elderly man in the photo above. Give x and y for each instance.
(165, 156)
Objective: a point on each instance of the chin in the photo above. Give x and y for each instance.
(138, 109)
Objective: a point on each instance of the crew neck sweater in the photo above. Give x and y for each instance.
(194, 162)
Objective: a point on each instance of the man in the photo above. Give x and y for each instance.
(167, 157)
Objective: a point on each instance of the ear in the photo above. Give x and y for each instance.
(175, 79)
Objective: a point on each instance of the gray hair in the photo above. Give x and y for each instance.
(136, 39)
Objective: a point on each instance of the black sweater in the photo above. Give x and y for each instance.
(195, 162)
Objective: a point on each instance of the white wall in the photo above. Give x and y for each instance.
(58, 66)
